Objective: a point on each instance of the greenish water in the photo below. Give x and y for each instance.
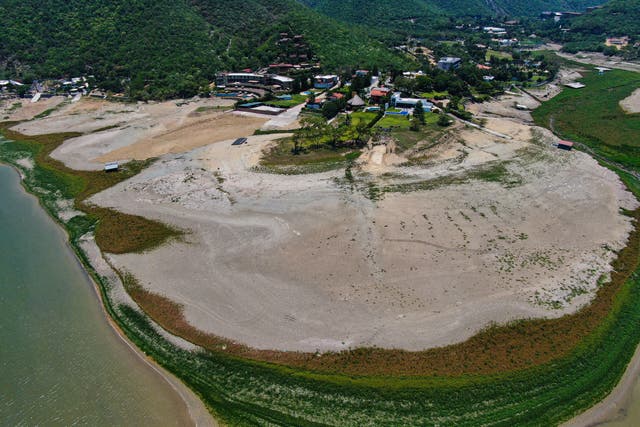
(60, 361)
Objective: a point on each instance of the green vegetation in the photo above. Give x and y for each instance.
(296, 99)
(434, 94)
(311, 158)
(394, 122)
(593, 116)
(615, 18)
(421, 17)
(368, 117)
(498, 54)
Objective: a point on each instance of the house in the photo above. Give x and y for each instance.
(336, 96)
(412, 74)
(483, 67)
(239, 79)
(494, 30)
(253, 79)
(362, 73)
(281, 67)
(325, 81)
(379, 94)
(508, 42)
(449, 63)
(399, 102)
(282, 82)
(565, 145)
(617, 42)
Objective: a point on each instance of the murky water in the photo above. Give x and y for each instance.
(630, 416)
(60, 361)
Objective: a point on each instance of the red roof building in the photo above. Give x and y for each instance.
(378, 94)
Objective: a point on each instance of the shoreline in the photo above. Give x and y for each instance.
(608, 409)
(195, 408)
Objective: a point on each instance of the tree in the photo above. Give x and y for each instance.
(329, 110)
(443, 120)
(414, 124)
(418, 113)
(362, 132)
(297, 141)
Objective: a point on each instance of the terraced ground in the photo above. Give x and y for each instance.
(457, 385)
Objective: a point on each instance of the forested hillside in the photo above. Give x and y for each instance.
(616, 18)
(428, 13)
(166, 48)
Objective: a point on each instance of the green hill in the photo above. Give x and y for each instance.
(167, 48)
(428, 12)
(615, 18)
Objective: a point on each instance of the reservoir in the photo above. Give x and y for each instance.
(61, 363)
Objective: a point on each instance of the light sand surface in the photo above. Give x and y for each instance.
(192, 133)
(631, 104)
(599, 59)
(10, 111)
(309, 263)
(505, 107)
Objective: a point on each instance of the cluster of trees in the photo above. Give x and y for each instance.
(315, 132)
(456, 83)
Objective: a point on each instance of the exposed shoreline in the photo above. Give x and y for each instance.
(195, 408)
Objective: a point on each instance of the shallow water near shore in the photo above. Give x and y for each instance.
(61, 363)
(629, 414)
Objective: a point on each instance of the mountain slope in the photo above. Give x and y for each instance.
(382, 12)
(167, 48)
(616, 18)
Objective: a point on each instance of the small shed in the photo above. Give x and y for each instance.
(565, 145)
(356, 102)
(111, 167)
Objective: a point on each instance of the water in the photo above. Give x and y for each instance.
(630, 409)
(60, 361)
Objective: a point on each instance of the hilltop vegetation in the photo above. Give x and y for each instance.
(422, 14)
(615, 19)
(162, 49)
